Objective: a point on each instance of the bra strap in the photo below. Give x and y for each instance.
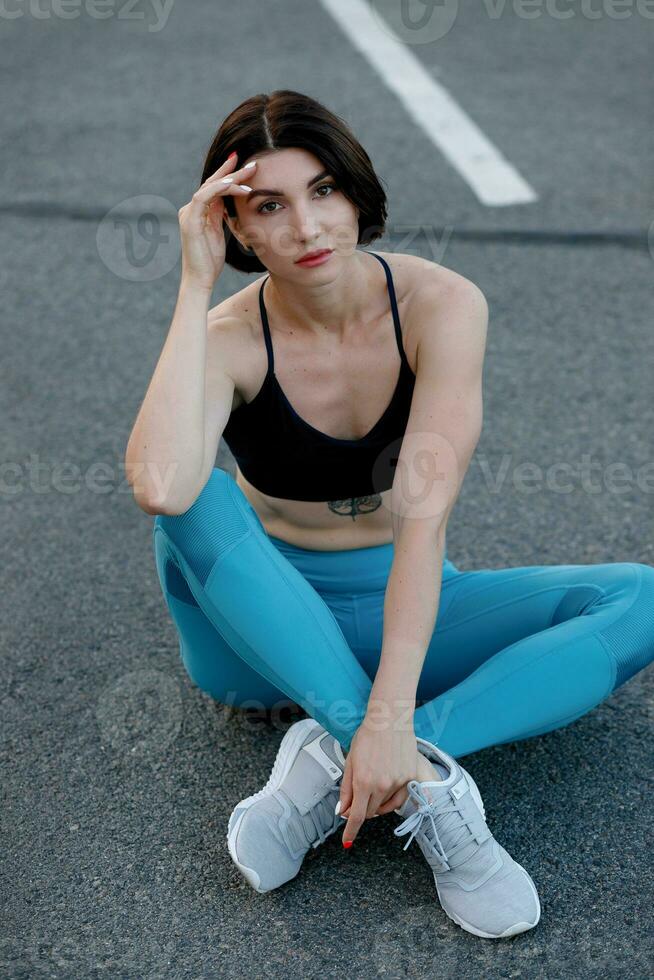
(391, 293)
(266, 328)
(396, 314)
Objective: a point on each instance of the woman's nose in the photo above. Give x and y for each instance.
(305, 225)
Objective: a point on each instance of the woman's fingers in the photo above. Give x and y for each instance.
(345, 798)
(395, 802)
(357, 815)
(223, 185)
(347, 814)
(215, 187)
(225, 170)
(373, 805)
(381, 806)
(236, 175)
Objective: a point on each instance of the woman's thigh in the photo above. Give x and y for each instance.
(484, 611)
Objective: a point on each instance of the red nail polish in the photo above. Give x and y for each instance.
(233, 154)
(348, 843)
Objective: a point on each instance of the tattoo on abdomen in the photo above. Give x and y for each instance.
(352, 506)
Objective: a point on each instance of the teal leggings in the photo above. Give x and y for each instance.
(515, 652)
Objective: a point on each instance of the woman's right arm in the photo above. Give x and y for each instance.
(165, 452)
(173, 436)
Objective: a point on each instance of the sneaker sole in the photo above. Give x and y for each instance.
(288, 749)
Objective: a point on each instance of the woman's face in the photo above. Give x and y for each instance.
(283, 227)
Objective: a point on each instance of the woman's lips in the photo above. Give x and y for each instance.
(316, 260)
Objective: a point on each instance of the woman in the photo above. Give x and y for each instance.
(320, 573)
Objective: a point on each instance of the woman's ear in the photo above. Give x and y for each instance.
(233, 225)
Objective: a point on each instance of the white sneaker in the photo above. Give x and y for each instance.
(269, 833)
(479, 885)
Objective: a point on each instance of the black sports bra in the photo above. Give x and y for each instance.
(284, 456)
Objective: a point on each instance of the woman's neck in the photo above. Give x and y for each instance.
(328, 308)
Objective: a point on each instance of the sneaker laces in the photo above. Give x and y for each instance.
(454, 828)
(321, 816)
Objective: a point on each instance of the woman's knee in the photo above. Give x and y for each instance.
(624, 578)
(631, 637)
(644, 602)
(218, 519)
(635, 578)
(646, 575)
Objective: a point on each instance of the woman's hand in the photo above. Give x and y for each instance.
(201, 223)
(377, 768)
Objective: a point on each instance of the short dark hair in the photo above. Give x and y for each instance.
(286, 119)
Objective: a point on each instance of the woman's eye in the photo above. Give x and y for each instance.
(265, 204)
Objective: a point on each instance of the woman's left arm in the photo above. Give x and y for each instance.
(442, 433)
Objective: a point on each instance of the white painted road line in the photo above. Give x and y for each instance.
(494, 180)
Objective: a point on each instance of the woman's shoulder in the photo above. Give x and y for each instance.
(423, 288)
(235, 340)
(413, 275)
(238, 311)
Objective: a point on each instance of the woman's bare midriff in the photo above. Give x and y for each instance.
(316, 526)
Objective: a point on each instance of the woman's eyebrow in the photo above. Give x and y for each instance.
(262, 192)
